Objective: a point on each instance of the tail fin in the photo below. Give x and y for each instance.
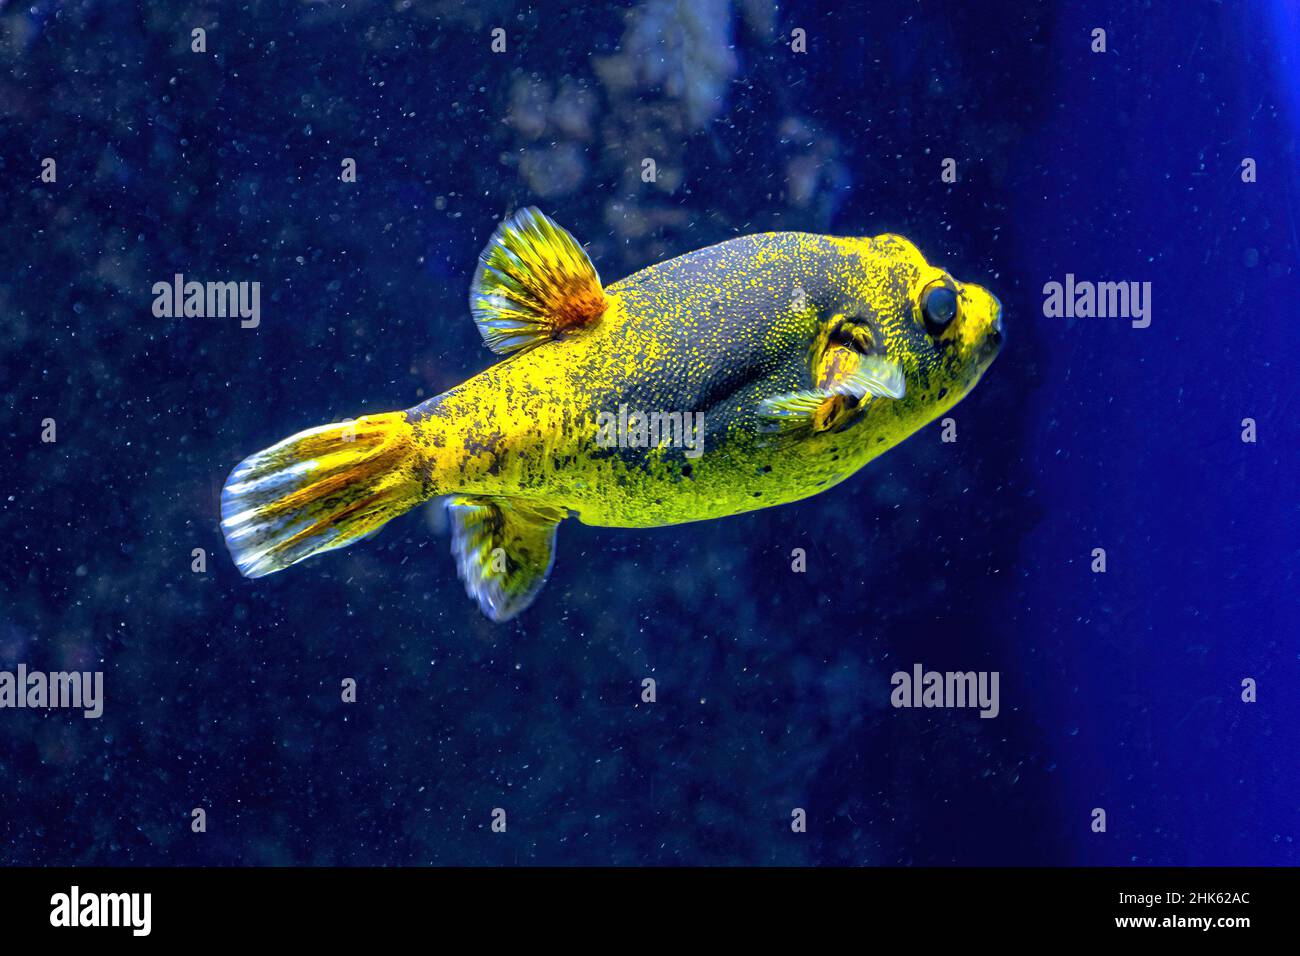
(318, 490)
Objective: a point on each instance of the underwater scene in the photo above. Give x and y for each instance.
(649, 434)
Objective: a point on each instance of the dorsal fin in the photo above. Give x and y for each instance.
(533, 281)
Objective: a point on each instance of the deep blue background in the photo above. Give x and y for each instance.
(1119, 691)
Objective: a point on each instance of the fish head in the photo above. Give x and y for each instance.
(944, 332)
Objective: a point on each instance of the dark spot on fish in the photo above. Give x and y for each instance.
(758, 494)
(943, 392)
(880, 439)
(489, 445)
(766, 469)
(687, 471)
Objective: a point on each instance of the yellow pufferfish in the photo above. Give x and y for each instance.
(773, 366)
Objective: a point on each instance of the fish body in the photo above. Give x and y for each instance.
(755, 372)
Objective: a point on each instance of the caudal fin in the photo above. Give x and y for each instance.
(319, 490)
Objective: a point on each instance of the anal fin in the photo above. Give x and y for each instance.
(504, 549)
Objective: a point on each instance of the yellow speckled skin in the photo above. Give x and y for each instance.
(714, 331)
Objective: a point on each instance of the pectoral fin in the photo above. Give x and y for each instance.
(875, 377)
(504, 550)
(836, 401)
(533, 282)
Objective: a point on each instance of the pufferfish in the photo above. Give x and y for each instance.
(774, 365)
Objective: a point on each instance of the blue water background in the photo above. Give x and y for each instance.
(1118, 691)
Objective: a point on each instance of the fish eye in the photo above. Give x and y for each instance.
(938, 305)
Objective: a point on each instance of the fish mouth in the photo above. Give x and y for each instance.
(997, 336)
(985, 331)
(996, 323)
